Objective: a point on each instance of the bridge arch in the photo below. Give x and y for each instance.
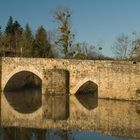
(87, 95)
(83, 82)
(19, 73)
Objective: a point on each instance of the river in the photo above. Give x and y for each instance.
(29, 115)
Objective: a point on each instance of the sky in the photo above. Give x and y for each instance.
(92, 20)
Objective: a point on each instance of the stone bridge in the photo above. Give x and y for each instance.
(114, 79)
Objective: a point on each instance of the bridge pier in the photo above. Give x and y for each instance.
(55, 82)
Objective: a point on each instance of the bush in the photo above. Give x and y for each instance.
(138, 91)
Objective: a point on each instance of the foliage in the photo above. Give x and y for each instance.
(80, 56)
(65, 36)
(17, 41)
(0, 37)
(138, 91)
(41, 46)
(9, 27)
(12, 37)
(27, 42)
(138, 110)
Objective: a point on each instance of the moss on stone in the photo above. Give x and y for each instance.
(138, 91)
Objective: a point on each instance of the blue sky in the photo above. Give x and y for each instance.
(93, 20)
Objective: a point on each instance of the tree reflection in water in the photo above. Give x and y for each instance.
(52, 134)
(23, 134)
(35, 134)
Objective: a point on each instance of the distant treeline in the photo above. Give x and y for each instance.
(18, 41)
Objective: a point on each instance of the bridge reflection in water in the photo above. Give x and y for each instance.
(80, 112)
(25, 101)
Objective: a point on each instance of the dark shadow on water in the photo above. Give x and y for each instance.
(22, 80)
(35, 134)
(87, 95)
(88, 101)
(56, 107)
(25, 101)
(23, 134)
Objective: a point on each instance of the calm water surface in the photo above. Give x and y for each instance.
(29, 115)
(52, 134)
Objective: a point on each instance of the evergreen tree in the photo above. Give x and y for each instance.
(0, 38)
(17, 27)
(17, 37)
(9, 27)
(41, 47)
(27, 42)
(9, 38)
(0, 30)
(13, 33)
(12, 27)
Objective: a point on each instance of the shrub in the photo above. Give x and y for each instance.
(138, 91)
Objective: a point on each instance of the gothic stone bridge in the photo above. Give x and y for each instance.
(114, 79)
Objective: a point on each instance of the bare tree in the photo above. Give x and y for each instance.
(121, 47)
(85, 51)
(135, 51)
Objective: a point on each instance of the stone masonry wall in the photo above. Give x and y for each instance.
(115, 79)
(56, 81)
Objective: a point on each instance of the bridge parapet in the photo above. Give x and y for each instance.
(115, 79)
